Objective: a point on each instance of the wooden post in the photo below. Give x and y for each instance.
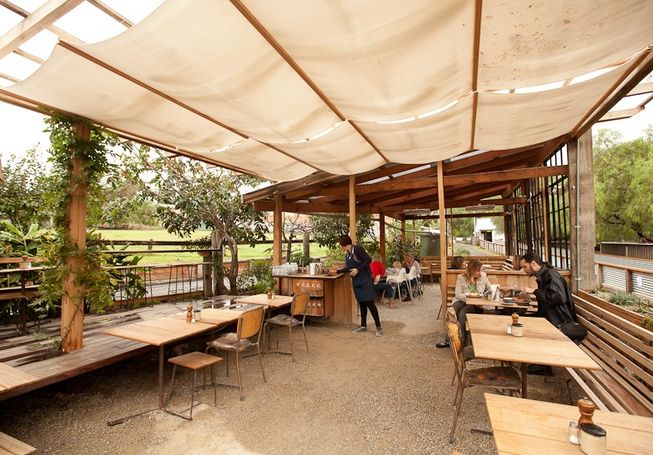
(72, 301)
(277, 229)
(306, 245)
(382, 236)
(207, 275)
(509, 234)
(352, 208)
(582, 212)
(403, 229)
(443, 245)
(545, 220)
(414, 233)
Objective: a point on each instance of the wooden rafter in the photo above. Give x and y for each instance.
(478, 9)
(34, 23)
(112, 13)
(456, 215)
(621, 114)
(300, 72)
(52, 28)
(641, 89)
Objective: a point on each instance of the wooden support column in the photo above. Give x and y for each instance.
(306, 245)
(277, 229)
(382, 236)
(72, 301)
(352, 208)
(582, 212)
(545, 221)
(403, 229)
(443, 245)
(508, 232)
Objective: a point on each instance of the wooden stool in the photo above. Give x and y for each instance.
(193, 361)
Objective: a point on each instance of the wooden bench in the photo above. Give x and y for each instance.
(495, 263)
(14, 446)
(624, 350)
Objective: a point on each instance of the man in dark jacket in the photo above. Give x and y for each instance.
(553, 296)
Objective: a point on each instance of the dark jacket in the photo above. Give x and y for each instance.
(362, 283)
(553, 297)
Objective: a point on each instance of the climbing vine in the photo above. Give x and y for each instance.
(92, 156)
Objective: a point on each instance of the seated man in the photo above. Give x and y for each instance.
(554, 301)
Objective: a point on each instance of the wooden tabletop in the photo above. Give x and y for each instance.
(215, 316)
(541, 344)
(532, 427)
(159, 331)
(262, 299)
(9, 445)
(479, 301)
(11, 377)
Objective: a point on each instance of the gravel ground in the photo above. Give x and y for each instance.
(352, 394)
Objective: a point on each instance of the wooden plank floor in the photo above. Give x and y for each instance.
(48, 365)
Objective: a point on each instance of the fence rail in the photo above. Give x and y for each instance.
(625, 274)
(495, 247)
(631, 250)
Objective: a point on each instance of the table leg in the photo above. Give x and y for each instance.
(524, 380)
(161, 403)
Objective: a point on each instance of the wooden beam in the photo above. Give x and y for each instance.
(34, 23)
(457, 215)
(294, 207)
(28, 56)
(621, 114)
(476, 51)
(56, 30)
(352, 208)
(113, 14)
(9, 77)
(443, 246)
(403, 229)
(72, 300)
(545, 219)
(300, 72)
(382, 236)
(277, 230)
(313, 179)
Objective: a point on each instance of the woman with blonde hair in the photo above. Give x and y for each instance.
(472, 281)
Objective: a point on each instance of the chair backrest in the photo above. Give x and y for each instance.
(412, 274)
(456, 345)
(250, 323)
(299, 304)
(451, 315)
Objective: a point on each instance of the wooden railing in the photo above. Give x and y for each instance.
(494, 247)
(644, 288)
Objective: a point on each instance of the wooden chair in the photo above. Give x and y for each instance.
(249, 328)
(193, 361)
(502, 378)
(468, 351)
(297, 309)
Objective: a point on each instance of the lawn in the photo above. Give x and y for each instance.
(244, 251)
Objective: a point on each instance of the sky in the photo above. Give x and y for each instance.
(21, 129)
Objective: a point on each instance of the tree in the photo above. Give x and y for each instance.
(327, 229)
(294, 225)
(189, 196)
(22, 191)
(623, 180)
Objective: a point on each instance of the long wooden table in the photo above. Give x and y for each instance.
(531, 427)
(542, 344)
(163, 331)
(262, 299)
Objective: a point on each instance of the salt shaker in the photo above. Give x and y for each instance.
(189, 313)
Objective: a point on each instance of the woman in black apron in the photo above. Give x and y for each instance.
(357, 263)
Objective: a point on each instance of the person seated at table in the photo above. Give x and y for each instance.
(472, 281)
(378, 276)
(457, 262)
(554, 300)
(409, 263)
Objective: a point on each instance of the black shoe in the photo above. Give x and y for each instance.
(443, 344)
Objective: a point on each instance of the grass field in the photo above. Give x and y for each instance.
(244, 251)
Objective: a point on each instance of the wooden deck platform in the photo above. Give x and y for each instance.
(39, 363)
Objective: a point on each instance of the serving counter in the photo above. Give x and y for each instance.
(331, 295)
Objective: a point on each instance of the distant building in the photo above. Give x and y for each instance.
(485, 229)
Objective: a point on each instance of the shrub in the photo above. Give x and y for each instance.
(624, 299)
(460, 250)
(257, 279)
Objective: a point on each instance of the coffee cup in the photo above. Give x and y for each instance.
(593, 439)
(517, 330)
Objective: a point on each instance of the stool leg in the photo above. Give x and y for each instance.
(172, 382)
(292, 349)
(192, 394)
(215, 387)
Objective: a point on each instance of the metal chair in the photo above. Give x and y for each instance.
(249, 328)
(399, 279)
(501, 378)
(412, 276)
(193, 361)
(297, 309)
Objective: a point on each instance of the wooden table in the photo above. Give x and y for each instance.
(531, 427)
(479, 301)
(11, 377)
(9, 445)
(542, 344)
(262, 299)
(162, 331)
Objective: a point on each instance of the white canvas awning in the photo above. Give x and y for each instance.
(285, 88)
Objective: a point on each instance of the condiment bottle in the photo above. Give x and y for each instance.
(586, 408)
(269, 294)
(189, 313)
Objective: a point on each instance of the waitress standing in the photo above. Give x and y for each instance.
(357, 263)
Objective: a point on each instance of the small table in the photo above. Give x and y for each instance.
(479, 301)
(541, 344)
(262, 299)
(531, 427)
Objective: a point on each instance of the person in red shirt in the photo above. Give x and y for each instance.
(378, 275)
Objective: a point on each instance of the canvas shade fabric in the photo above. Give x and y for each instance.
(202, 76)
